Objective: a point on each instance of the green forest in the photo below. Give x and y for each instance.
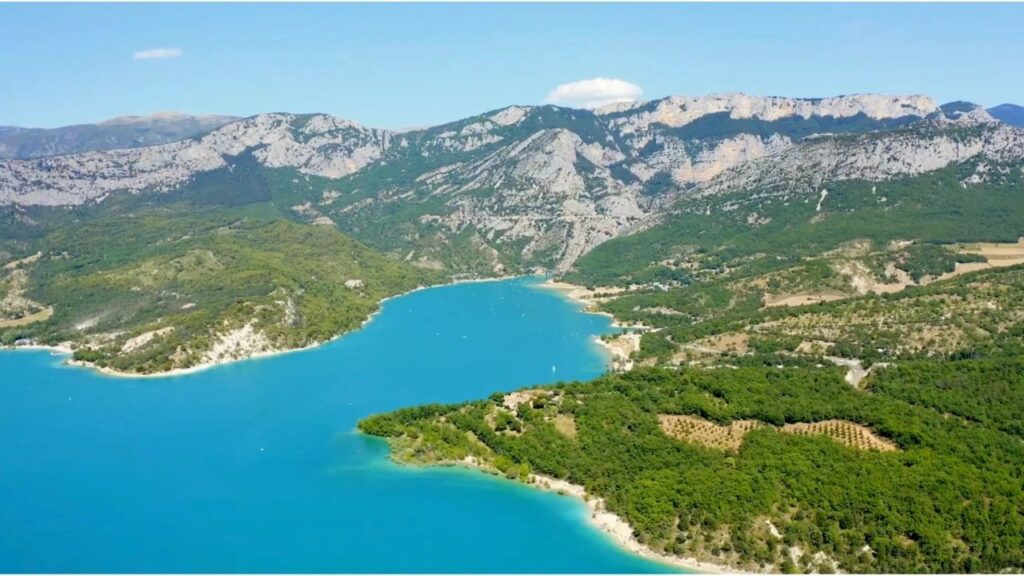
(950, 499)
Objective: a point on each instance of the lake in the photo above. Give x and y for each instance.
(256, 466)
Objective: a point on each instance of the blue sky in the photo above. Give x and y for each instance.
(394, 65)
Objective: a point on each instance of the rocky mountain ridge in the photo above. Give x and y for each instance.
(676, 111)
(881, 156)
(326, 146)
(322, 145)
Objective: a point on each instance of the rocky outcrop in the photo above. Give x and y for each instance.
(665, 137)
(694, 163)
(238, 344)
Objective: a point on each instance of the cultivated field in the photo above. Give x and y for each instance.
(705, 433)
(847, 433)
(700, 431)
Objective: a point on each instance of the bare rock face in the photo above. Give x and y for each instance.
(877, 157)
(79, 178)
(243, 342)
(510, 115)
(692, 164)
(552, 190)
(676, 111)
(665, 135)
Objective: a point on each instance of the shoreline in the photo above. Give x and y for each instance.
(586, 297)
(574, 292)
(617, 529)
(619, 348)
(611, 525)
(64, 348)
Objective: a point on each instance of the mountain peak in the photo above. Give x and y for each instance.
(166, 116)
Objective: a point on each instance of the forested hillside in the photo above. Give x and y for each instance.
(146, 289)
(937, 490)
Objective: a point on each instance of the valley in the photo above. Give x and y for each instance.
(686, 186)
(817, 367)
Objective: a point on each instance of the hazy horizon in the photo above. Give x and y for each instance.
(402, 66)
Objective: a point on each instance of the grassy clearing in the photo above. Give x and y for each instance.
(40, 316)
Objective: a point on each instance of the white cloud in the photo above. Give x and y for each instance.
(594, 93)
(157, 53)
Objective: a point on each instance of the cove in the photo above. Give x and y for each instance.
(256, 466)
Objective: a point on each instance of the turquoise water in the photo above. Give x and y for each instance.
(256, 466)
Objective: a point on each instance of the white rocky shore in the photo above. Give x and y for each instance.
(618, 529)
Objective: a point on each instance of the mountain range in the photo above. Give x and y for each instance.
(522, 187)
(121, 132)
